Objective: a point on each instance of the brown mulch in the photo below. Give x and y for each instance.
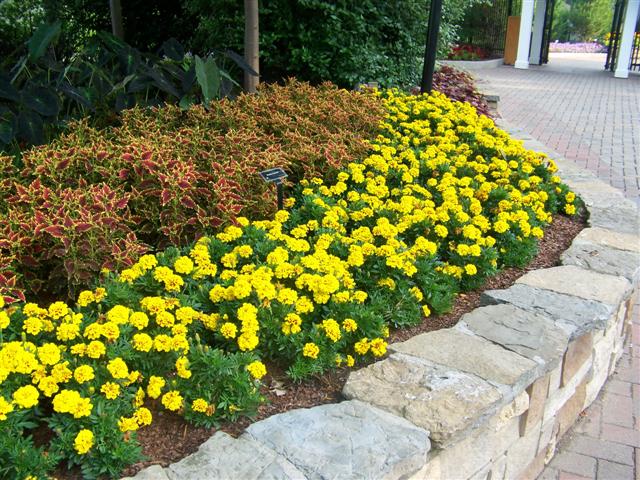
(170, 438)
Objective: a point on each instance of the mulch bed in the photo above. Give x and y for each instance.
(171, 438)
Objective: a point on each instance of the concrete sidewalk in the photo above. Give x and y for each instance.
(592, 119)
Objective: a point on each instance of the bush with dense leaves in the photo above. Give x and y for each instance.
(97, 199)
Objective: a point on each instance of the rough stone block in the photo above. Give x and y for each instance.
(532, 336)
(558, 398)
(555, 378)
(576, 315)
(603, 259)
(223, 456)
(568, 414)
(535, 468)
(444, 401)
(522, 452)
(154, 472)
(538, 392)
(481, 357)
(609, 238)
(619, 218)
(578, 352)
(344, 440)
(465, 458)
(572, 280)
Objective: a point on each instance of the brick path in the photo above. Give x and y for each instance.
(592, 119)
(577, 109)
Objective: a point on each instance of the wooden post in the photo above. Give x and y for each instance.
(251, 44)
(511, 40)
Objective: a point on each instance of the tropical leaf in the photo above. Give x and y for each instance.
(30, 127)
(41, 39)
(42, 100)
(7, 90)
(208, 75)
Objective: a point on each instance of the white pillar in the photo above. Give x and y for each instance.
(524, 39)
(628, 31)
(538, 28)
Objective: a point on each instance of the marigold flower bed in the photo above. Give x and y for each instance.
(443, 200)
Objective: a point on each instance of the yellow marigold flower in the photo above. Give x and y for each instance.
(362, 347)
(331, 329)
(61, 372)
(5, 320)
(350, 361)
(257, 369)
(183, 265)
(58, 310)
(118, 368)
(172, 400)
(228, 330)
(154, 388)
(247, 341)
(139, 320)
(142, 342)
(143, 417)
(85, 298)
(425, 311)
(70, 401)
(118, 314)
(100, 294)
(291, 324)
(165, 319)
(49, 354)
(5, 408)
(110, 390)
(67, 331)
(349, 325)
(310, 350)
(162, 343)
(83, 441)
(287, 296)
(126, 424)
(415, 291)
(378, 347)
(199, 405)
(26, 397)
(96, 349)
(570, 209)
(470, 269)
(83, 374)
(110, 331)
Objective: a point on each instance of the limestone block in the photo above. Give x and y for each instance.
(480, 357)
(223, 456)
(621, 217)
(444, 401)
(538, 392)
(599, 258)
(559, 397)
(535, 468)
(569, 412)
(474, 452)
(574, 314)
(609, 238)
(530, 335)
(572, 280)
(154, 472)
(345, 440)
(522, 452)
(578, 352)
(555, 378)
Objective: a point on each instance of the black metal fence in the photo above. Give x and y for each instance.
(485, 25)
(616, 35)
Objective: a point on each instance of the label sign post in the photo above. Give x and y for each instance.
(276, 175)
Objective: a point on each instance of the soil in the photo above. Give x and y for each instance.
(171, 438)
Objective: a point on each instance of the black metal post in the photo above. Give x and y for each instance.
(280, 189)
(435, 12)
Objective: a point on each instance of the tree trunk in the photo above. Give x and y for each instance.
(251, 44)
(116, 19)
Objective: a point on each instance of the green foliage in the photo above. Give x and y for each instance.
(39, 94)
(345, 42)
(581, 20)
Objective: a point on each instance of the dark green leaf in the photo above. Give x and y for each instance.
(173, 49)
(161, 82)
(30, 127)
(75, 95)
(7, 127)
(208, 75)
(7, 90)
(240, 62)
(41, 99)
(187, 101)
(113, 43)
(41, 39)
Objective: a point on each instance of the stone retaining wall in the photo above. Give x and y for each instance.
(485, 400)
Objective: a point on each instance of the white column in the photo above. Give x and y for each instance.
(538, 27)
(524, 39)
(628, 30)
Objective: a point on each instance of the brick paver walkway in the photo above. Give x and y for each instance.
(592, 119)
(577, 109)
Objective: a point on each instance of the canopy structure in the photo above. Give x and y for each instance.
(535, 32)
